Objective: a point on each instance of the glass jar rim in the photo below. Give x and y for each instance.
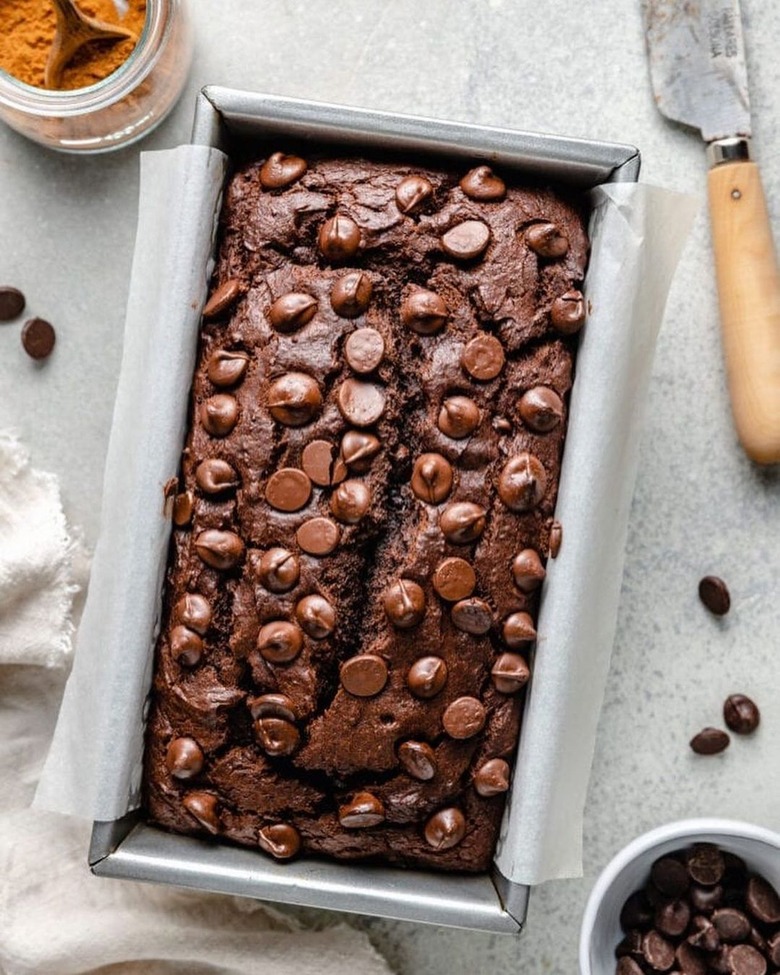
(32, 100)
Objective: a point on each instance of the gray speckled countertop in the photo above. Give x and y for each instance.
(573, 67)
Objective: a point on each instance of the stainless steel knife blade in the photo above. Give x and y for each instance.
(697, 65)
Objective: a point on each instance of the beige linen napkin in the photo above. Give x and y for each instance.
(55, 917)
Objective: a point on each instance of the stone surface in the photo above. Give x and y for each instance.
(700, 507)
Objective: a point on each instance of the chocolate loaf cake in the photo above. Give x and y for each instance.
(366, 506)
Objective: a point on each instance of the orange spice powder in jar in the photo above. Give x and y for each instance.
(27, 31)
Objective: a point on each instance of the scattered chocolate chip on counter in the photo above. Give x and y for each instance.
(710, 741)
(12, 302)
(38, 338)
(741, 714)
(701, 912)
(714, 593)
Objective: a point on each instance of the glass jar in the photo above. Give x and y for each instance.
(121, 108)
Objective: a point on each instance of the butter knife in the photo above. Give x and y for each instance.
(699, 78)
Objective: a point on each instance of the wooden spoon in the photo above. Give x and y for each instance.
(74, 30)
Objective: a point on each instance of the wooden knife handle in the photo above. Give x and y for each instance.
(749, 295)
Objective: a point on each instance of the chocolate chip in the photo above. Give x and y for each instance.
(636, 912)
(741, 714)
(12, 302)
(364, 811)
(281, 841)
(364, 350)
(483, 357)
(412, 192)
(705, 863)
(360, 403)
(492, 777)
(432, 478)
(424, 312)
(464, 718)
(279, 171)
(773, 949)
(547, 240)
(732, 925)
(219, 414)
(714, 593)
(316, 616)
(418, 760)
(350, 502)
(203, 806)
(359, 449)
(288, 489)
(364, 675)
(215, 476)
(669, 876)
(277, 737)
(427, 677)
(454, 579)
(709, 741)
(462, 522)
(703, 935)
(223, 299)
(294, 399)
(689, 960)
(184, 758)
(672, 918)
(226, 368)
(510, 673)
(556, 539)
(482, 184)
(472, 616)
(458, 417)
(745, 960)
(568, 312)
(279, 642)
(350, 295)
(321, 462)
(630, 946)
(318, 536)
(445, 829)
(38, 338)
(292, 311)
(466, 240)
(627, 966)
(705, 900)
(183, 505)
(271, 706)
(193, 611)
(541, 409)
(279, 570)
(404, 603)
(339, 238)
(657, 951)
(527, 570)
(762, 901)
(522, 482)
(518, 630)
(219, 549)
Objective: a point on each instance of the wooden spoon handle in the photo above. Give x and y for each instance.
(749, 294)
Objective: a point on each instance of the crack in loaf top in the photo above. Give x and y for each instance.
(367, 491)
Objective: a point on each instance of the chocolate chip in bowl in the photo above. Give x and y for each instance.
(696, 897)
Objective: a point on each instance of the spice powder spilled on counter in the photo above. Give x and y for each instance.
(27, 31)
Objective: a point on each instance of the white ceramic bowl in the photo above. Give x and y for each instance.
(629, 870)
